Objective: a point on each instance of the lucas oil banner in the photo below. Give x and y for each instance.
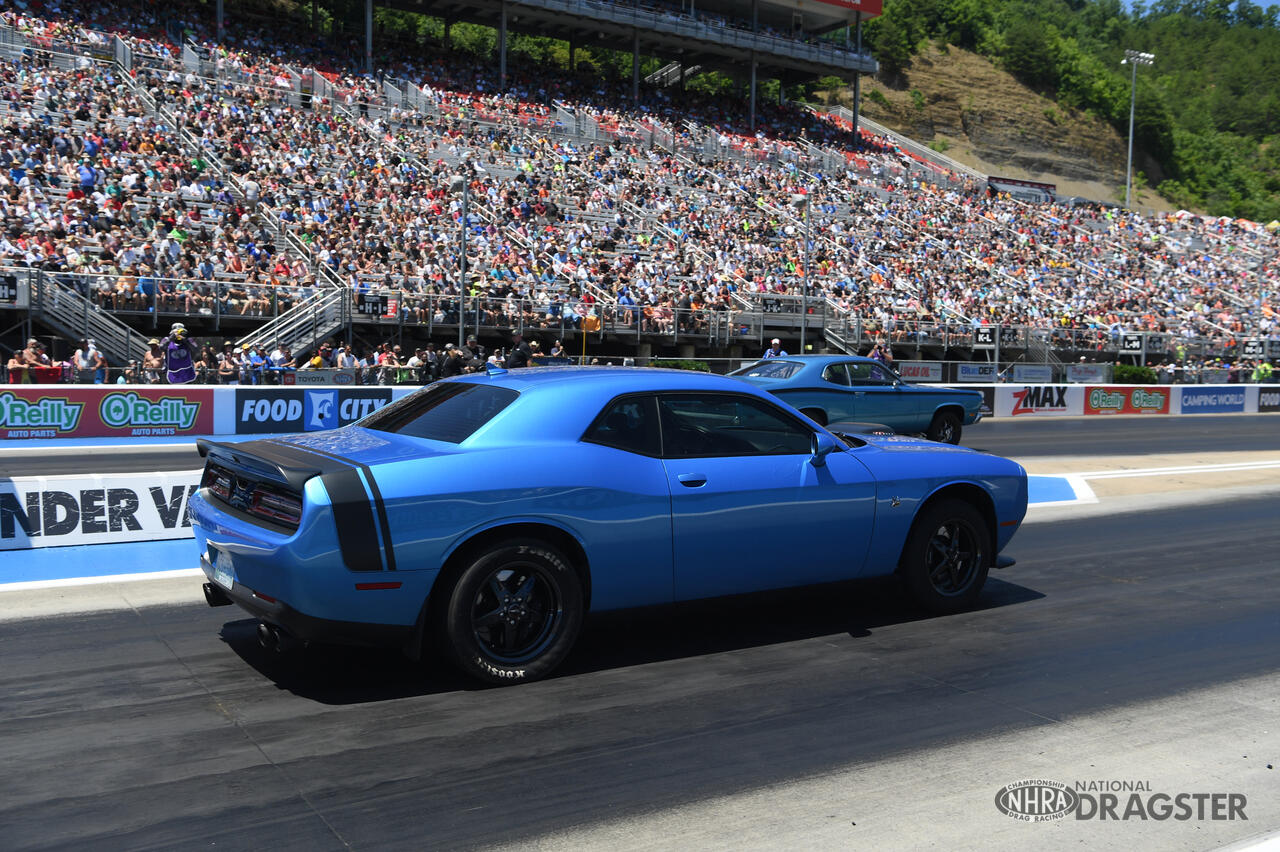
(50, 511)
(89, 412)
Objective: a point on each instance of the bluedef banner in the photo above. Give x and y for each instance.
(51, 511)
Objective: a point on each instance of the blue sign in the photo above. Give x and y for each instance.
(321, 411)
(976, 372)
(1212, 400)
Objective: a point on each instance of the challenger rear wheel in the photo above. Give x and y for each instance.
(513, 613)
(947, 556)
(945, 428)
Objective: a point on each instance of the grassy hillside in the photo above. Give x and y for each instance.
(1208, 115)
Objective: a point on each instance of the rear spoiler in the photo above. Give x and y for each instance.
(281, 462)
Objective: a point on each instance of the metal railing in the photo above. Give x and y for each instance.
(76, 316)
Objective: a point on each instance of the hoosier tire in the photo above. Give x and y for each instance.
(512, 614)
(947, 556)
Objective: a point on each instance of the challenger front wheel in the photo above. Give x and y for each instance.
(947, 556)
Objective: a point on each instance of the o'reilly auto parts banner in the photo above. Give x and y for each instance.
(89, 412)
(266, 411)
(1126, 400)
(1041, 400)
(50, 511)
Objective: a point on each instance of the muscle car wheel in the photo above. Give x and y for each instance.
(946, 559)
(945, 428)
(512, 614)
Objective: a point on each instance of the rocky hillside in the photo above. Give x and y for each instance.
(961, 104)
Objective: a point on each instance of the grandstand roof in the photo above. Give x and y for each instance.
(691, 38)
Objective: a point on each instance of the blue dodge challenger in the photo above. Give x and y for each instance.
(832, 388)
(483, 516)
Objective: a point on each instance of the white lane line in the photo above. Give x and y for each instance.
(95, 581)
(1182, 469)
(42, 451)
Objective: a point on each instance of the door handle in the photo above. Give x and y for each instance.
(692, 480)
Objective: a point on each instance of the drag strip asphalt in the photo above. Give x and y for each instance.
(168, 726)
(1028, 437)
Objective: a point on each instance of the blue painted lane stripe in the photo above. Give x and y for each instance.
(1050, 489)
(97, 560)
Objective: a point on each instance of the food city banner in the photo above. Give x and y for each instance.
(264, 411)
(94, 412)
(920, 371)
(52, 511)
(1038, 400)
(1269, 398)
(1127, 400)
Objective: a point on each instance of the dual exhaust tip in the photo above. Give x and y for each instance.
(270, 637)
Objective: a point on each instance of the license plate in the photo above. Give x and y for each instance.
(223, 572)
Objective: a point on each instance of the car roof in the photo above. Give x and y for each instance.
(615, 380)
(819, 359)
(558, 403)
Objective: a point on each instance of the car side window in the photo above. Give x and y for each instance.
(836, 374)
(628, 423)
(864, 373)
(719, 425)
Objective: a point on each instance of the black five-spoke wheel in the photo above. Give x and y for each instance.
(947, 556)
(952, 558)
(510, 613)
(516, 612)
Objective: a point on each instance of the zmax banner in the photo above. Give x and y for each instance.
(51, 511)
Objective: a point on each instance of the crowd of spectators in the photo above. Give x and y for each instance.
(229, 191)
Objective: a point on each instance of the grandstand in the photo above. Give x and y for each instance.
(241, 177)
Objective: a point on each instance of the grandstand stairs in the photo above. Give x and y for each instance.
(63, 309)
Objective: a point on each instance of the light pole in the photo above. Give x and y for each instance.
(461, 182)
(1134, 58)
(802, 200)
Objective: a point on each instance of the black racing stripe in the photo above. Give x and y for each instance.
(382, 517)
(387, 546)
(357, 536)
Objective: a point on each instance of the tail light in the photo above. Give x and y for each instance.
(276, 507)
(262, 500)
(219, 481)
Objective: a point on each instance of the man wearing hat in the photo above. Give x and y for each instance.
(520, 351)
(180, 355)
(152, 362)
(775, 350)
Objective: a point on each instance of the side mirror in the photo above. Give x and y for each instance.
(823, 446)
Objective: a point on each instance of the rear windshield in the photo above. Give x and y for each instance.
(771, 369)
(449, 411)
